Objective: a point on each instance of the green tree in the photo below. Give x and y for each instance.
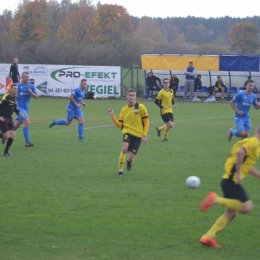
(244, 37)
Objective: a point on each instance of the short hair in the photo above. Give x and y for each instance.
(165, 79)
(13, 85)
(25, 72)
(131, 90)
(250, 81)
(82, 80)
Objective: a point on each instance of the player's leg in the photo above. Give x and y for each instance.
(133, 147)
(208, 239)
(247, 126)
(240, 129)
(234, 198)
(10, 138)
(26, 131)
(70, 116)
(122, 155)
(168, 119)
(80, 118)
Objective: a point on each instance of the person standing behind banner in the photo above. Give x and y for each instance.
(174, 83)
(190, 73)
(14, 73)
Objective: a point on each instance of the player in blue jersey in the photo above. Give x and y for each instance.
(26, 90)
(241, 103)
(74, 111)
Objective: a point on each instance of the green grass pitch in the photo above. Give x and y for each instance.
(61, 199)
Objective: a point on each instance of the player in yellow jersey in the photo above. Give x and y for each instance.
(165, 100)
(134, 122)
(239, 164)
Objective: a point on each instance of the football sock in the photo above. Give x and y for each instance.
(60, 122)
(161, 127)
(8, 145)
(165, 134)
(232, 204)
(81, 130)
(220, 224)
(122, 157)
(26, 134)
(235, 133)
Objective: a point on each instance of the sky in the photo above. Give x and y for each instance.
(171, 8)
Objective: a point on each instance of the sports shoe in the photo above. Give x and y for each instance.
(149, 98)
(52, 124)
(129, 165)
(82, 140)
(7, 154)
(120, 174)
(209, 242)
(158, 132)
(28, 144)
(230, 135)
(3, 141)
(165, 140)
(208, 201)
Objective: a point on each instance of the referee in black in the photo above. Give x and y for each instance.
(14, 73)
(7, 107)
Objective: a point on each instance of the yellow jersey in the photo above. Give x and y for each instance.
(251, 146)
(132, 119)
(166, 100)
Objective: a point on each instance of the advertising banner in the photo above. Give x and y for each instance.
(60, 80)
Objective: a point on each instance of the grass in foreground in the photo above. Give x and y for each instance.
(62, 200)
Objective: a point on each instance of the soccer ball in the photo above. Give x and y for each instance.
(193, 182)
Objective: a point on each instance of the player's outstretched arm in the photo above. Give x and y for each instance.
(115, 120)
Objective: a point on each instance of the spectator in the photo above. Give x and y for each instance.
(197, 86)
(218, 87)
(14, 73)
(151, 84)
(190, 72)
(174, 84)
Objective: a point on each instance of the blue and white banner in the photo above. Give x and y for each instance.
(60, 80)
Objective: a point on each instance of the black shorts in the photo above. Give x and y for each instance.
(232, 191)
(167, 117)
(7, 125)
(134, 142)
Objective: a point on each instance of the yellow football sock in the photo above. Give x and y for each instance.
(161, 127)
(233, 204)
(165, 134)
(220, 224)
(121, 161)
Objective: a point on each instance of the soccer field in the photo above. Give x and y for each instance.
(61, 199)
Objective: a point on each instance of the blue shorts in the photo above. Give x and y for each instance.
(25, 115)
(243, 125)
(74, 113)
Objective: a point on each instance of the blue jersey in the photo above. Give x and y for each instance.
(24, 95)
(77, 94)
(244, 103)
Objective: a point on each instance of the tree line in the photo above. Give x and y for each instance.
(82, 33)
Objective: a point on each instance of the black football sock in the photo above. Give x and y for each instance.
(8, 145)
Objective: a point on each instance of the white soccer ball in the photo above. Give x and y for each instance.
(193, 182)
